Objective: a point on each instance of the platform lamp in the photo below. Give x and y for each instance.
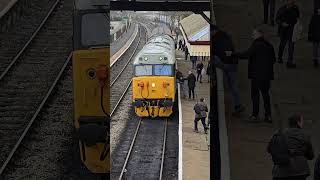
(215, 158)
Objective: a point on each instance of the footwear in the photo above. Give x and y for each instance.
(196, 131)
(280, 61)
(238, 110)
(267, 119)
(205, 132)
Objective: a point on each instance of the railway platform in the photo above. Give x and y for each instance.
(195, 149)
(125, 44)
(294, 90)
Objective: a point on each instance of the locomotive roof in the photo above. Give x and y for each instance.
(156, 50)
(92, 4)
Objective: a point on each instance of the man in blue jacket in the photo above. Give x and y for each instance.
(317, 169)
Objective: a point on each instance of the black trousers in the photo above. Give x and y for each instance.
(191, 91)
(203, 121)
(286, 38)
(292, 178)
(199, 76)
(262, 86)
(268, 5)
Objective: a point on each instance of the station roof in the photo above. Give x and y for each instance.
(91, 4)
(196, 33)
(161, 5)
(196, 28)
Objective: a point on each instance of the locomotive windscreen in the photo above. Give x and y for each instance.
(154, 70)
(95, 29)
(162, 70)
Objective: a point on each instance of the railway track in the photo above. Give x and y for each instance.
(121, 71)
(32, 16)
(26, 85)
(143, 150)
(142, 162)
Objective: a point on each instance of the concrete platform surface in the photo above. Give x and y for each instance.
(295, 90)
(196, 154)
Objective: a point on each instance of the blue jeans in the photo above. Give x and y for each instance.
(230, 71)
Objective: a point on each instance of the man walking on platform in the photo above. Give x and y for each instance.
(261, 57)
(287, 18)
(199, 71)
(290, 151)
(200, 110)
(222, 42)
(186, 53)
(269, 5)
(191, 84)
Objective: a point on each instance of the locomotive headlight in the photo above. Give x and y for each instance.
(160, 58)
(145, 58)
(153, 85)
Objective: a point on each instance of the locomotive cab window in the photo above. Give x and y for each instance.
(162, 70)
(143, 70)
(94, 29)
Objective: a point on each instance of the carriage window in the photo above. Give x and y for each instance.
(145, 70)
(95, 29)
(163, 70)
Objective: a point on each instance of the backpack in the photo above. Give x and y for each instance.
(279, 150)
(197, 109)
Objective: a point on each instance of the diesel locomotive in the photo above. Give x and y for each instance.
(154, 83)
(90, 66)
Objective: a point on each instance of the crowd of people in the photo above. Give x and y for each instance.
(290, 148)
(197, 65)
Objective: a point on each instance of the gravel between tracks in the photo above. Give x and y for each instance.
(17, 35)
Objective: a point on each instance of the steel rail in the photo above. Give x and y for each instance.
(122, 96)
(29, 41)
(129, 59)
(163, 149)
(3, 167)
(130, 150)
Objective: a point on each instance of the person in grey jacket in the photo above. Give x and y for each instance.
(317, 169)
(201, 110)
(300, 151)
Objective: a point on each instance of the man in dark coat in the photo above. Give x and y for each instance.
(209, 71)
(180, 44)
(314, 36)
(199, 70)
(191, 84)
(186, 53)
(300, 151)
(261, 57)
(269, 5)
(287, 17)
(201, 110)
(222, 42)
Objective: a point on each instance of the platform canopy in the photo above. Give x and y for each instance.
(158, 5)
(196, 33)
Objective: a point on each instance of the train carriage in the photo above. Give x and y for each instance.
(91, 82)
(153, 84)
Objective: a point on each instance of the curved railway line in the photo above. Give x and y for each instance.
(121, 71)
(32, 74)
(138, 156)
